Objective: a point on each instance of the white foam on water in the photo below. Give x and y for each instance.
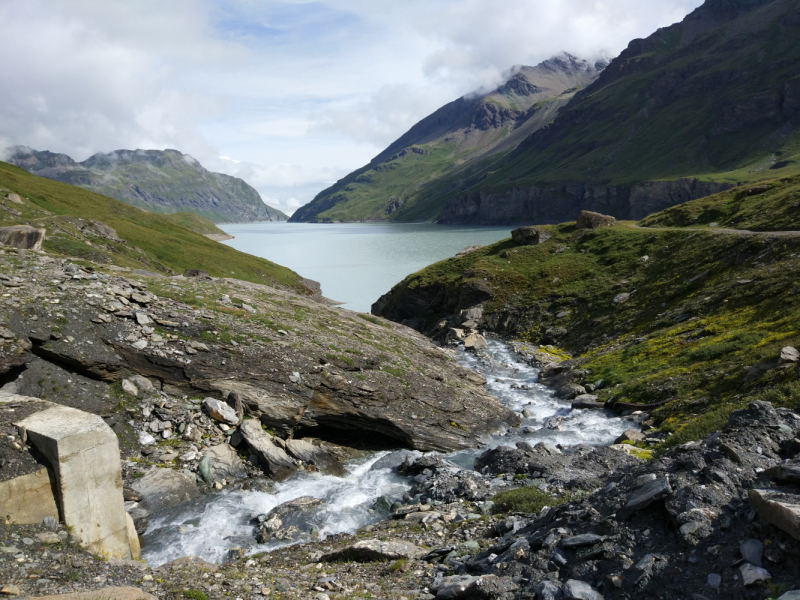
(213, 524)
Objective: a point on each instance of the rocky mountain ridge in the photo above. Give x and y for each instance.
(164, 181)
(695, 108)
(712, 100)
(473, 129)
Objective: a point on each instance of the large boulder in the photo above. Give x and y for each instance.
(22, 236)
(475, 341)
(84, 454)
(220, 463)
(159, 489)
(593, 220)
(314, 456)
(100, 229)
(272, 459)
(220, 411)
(529, 236)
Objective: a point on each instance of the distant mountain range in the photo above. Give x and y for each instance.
(694, 109)
(452, 142)
(165, 181)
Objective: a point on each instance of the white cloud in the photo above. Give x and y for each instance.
(300, 92)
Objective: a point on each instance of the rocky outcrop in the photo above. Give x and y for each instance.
(592, 220)
(529, 236)
(84, 454)
(564, 202)
(414, 395)
(25, 237)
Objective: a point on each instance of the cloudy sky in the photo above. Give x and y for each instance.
(288, 94)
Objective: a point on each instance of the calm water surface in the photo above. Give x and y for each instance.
(356, 262)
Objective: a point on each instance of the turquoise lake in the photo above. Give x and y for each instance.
(356, 262)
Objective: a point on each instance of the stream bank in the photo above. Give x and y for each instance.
(211, 527)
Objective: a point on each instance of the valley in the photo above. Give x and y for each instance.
(544, 346)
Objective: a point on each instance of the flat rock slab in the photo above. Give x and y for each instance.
(586, 539)
(84, 454)
(648, 493)
(372, 550)
(788, 471)
(108, 593)
(779, 509)
(751, 551)
(29, 499)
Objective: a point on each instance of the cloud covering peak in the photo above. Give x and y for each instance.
(300, 92)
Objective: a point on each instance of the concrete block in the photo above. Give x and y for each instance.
(28, 499)
(84, 454)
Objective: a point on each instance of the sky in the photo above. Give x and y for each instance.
(290, 95)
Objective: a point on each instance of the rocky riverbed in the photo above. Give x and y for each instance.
(698, 521)
(222, 389)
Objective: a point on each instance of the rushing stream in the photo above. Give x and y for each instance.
(213, 524)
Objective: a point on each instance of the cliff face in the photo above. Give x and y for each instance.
(400, 183)
(165, 181)
(563, 202)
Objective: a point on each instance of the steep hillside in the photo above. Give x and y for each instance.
(164, 181)
(687, 321)
(692, 109)
(474, 129)
(138, 240)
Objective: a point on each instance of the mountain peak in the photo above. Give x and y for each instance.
(472, 128)
(165, 181)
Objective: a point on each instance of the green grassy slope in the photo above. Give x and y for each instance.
(767, 206)
(164, 181)
(194, 222)
(702, 330)
(715, 97)
(150, 241)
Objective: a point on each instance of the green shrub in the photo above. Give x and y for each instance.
(195, 595)
(528, 499)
